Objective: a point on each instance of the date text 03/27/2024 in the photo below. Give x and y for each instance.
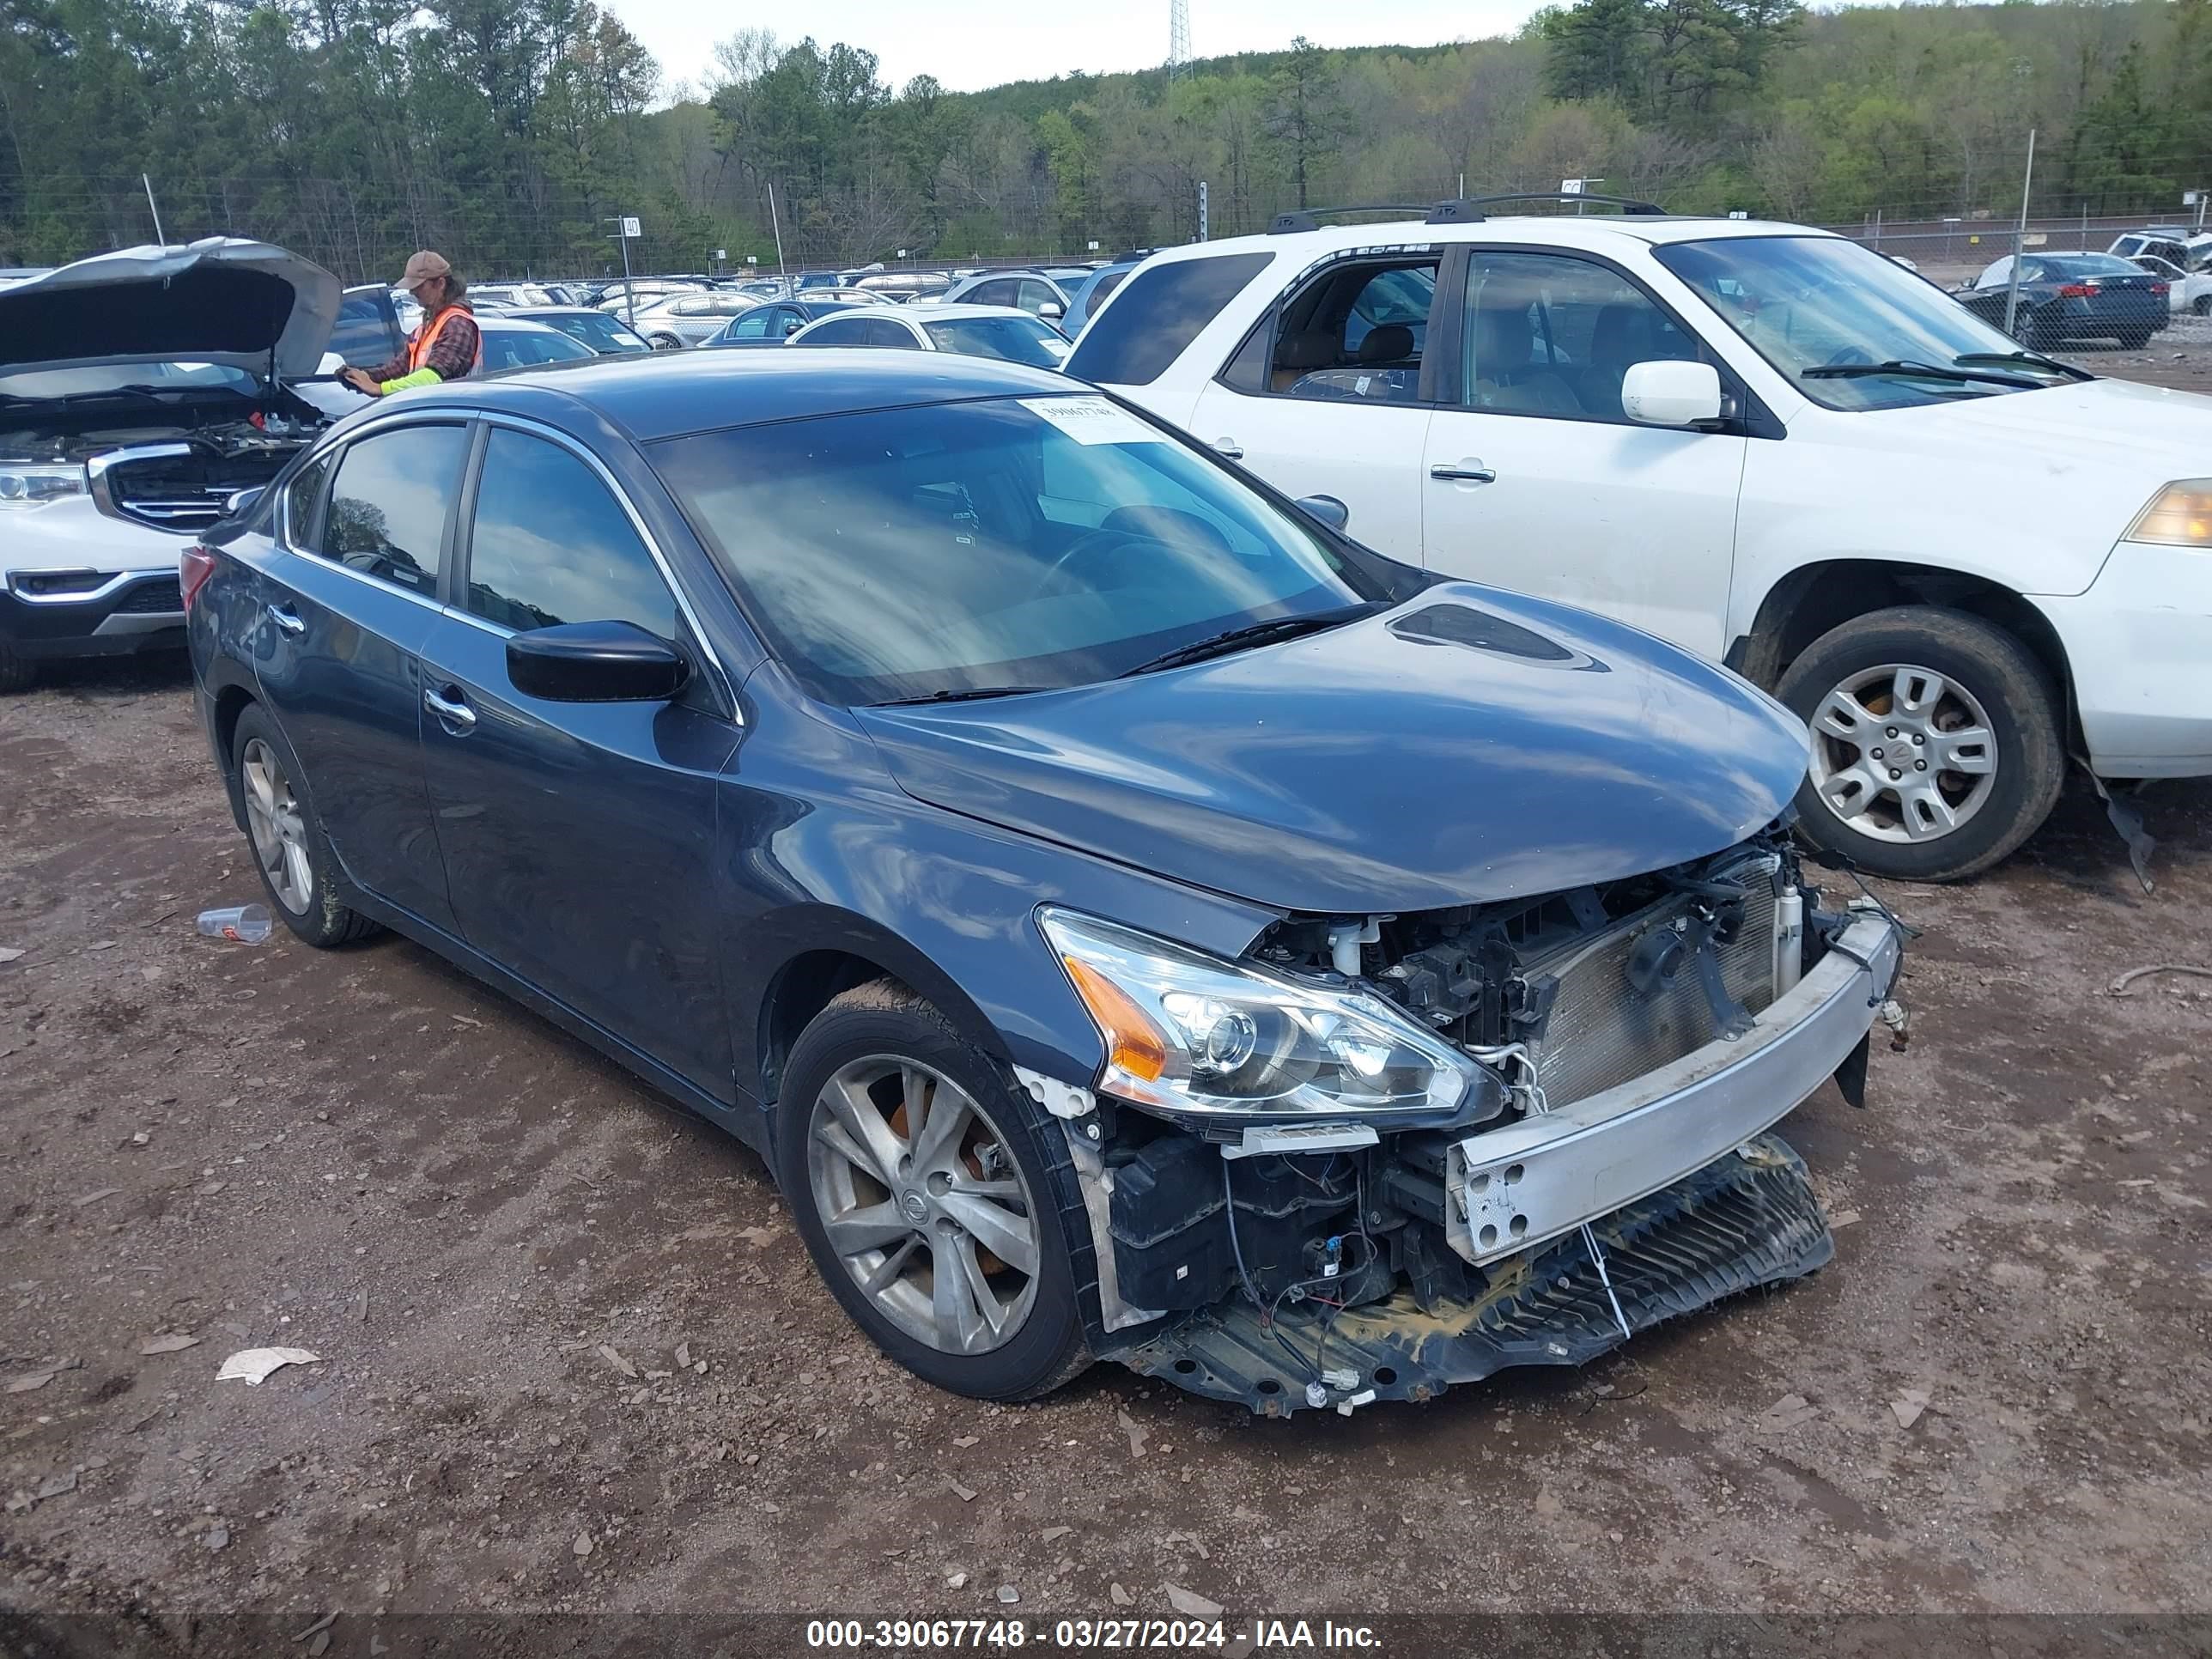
(1159, 1634)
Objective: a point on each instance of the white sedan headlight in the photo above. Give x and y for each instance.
(1195, 1035)
(2179, 515)
(32, 484)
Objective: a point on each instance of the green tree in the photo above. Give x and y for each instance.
(1304, 113)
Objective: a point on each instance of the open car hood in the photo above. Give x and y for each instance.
(1472, 745)
(222, 300)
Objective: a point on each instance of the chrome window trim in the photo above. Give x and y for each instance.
(382, 423)
(465, 418)
(599, 469)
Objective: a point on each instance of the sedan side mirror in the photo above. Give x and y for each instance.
(596, 662)
(1668, 393)
(240, 502)
(1327, 509)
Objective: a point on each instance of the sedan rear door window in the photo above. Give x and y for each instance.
(390, 502)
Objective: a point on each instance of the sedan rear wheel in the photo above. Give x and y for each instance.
(297, 865)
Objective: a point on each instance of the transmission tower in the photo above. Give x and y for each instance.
(1178, 39)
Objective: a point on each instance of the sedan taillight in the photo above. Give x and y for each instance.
(194, 566)
(2076, 291)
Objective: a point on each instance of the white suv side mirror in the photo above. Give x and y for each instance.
(1666, 393)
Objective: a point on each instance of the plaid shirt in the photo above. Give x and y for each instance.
(452, 357)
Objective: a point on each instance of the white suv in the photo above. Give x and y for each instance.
(1957, 560)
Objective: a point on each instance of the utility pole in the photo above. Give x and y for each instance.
(164, 240)
(776, 221)
(1201, 210)
(2019, 235)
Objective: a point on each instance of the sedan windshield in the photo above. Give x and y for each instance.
(1819, 302)
(1016, 340)
(1001, 545)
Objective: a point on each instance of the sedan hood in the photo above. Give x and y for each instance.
(1467, 747)
(222, 300)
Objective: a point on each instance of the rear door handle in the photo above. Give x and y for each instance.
(287, 618)
(1229, 449)
(1468, 471)
(453, 710)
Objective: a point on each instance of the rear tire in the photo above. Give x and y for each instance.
(298, 870)
(16, 671)
(665, 343)
(2201, 304)
(847, 1157)
(1893, 695)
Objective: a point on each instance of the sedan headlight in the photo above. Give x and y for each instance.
(26, 485)
(2179, 515)
(1195, 1035)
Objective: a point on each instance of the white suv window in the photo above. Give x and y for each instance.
(1545, 334)
(1355, 335)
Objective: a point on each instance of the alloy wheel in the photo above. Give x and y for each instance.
(279, 828)
(924, 1203)
(1902, 754)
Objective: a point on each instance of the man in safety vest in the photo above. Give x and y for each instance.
(447, 346)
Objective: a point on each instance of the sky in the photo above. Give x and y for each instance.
(1034, 42)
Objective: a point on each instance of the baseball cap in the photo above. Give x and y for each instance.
(423, 267)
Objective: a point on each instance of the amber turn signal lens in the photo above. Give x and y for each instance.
(1133, 1043)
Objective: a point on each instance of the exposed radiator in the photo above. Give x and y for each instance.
(1603, 1031)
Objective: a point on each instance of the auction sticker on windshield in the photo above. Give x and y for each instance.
(1094, 421)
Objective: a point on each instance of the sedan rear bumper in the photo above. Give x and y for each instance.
(1518, 1186)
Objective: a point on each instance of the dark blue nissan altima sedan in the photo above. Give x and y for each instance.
(1134, 920)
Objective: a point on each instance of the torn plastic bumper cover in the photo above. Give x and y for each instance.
(1746, 1219)
(1630, 1206)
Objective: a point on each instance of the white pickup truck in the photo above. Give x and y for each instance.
(1959, 561)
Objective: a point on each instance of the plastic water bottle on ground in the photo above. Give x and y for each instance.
(245, 924)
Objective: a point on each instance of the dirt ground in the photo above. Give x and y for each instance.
(503, 1250)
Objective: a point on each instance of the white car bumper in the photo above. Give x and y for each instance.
(75, 582)
(2139, 644)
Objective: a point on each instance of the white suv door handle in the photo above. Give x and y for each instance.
(1229, 449)
(1468, 471)
(287, 618)
(449, 709)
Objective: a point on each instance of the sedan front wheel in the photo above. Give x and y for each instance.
(925, 1188)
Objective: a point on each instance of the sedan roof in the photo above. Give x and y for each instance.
(667, 394)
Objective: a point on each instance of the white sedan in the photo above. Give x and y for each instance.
(971, 330)
(2189, 291)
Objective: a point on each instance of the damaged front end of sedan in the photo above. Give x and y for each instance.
(1381, 1155)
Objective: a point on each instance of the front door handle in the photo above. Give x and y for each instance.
(1229, 449)
(287, 618)
(1468, 471)
(453, 710)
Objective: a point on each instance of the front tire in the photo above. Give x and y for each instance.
(927, 1190)
(1936, 742)
(665, 343)
(298, 869)
(17, 671)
